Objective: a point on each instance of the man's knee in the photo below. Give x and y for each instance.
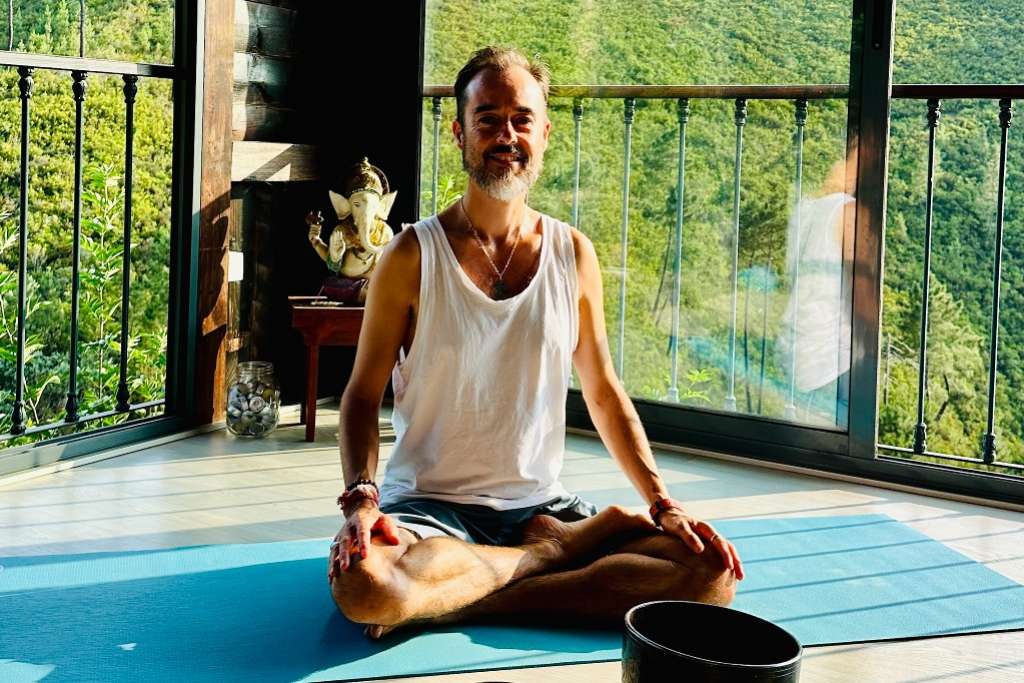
(701, 577)
(704, 578)
(718, 585)
(371, 590)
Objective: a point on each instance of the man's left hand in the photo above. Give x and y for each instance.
(695, 533)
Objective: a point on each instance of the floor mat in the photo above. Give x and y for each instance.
(263, 612)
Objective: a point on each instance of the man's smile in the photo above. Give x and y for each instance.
(506, 157)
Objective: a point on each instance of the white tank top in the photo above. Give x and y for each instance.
(479, 412)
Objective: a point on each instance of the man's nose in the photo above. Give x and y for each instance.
(507, 134)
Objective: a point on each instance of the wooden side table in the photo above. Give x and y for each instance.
(321, 325)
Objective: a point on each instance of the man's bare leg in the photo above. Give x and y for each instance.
(420, 580)
(656, 567)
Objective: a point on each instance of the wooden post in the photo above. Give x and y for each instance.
(215, 198)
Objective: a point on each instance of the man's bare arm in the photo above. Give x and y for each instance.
(389, 305)
(616, 418)
(608, 403)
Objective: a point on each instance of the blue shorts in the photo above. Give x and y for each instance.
(428, 517)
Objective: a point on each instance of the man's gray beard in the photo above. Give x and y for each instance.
(507, 186)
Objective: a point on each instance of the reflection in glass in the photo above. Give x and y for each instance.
(816, 333)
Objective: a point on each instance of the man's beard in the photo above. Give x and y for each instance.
(509, 183)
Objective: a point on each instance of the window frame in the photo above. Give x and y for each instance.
(853, 452)
(179, 396)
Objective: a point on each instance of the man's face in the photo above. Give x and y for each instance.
(505, 133)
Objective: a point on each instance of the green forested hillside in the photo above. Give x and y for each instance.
(137, 30)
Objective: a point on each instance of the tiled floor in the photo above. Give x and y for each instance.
(215, 489)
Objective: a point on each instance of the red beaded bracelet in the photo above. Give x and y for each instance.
(359, 492)
(660, 505)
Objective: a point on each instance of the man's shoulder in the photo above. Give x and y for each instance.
(399, 264)
(580, 242)
(405, 246)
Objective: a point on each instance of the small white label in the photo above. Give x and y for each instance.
(236, 266)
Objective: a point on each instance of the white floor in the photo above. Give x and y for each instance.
(213, 488)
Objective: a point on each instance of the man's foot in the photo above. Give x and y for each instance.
(376, 632)
(559, 544)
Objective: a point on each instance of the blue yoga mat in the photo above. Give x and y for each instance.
(262, 612)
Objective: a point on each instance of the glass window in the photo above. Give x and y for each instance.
(649, 41)
(124, 30)
(958, 41)
(760, 323)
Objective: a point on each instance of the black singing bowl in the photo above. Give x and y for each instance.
(675, 640)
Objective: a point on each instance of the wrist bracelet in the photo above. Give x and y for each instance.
(660, 505)
(358, 493)
(360, 482)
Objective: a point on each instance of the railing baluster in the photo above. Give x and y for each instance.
(130, 90)
(800, 118)
(629, 109)
(78, 90)
(81, 28)
(921, 431)
(577, 118)
(1005, 115)
(746, 332)
(888, 355)
(18, 414)
(683, 109)
(741, 119)
(764, 330)
(437, 153)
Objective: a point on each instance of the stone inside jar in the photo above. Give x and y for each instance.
(252, 408)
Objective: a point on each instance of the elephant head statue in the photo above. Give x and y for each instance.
(362, 232)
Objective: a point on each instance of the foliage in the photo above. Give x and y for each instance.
(125, 30)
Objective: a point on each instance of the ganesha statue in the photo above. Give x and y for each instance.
(360, 235)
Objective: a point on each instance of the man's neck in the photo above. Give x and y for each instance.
(492, 217)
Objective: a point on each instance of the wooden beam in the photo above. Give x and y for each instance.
(264, 29)
(272, 161)
(262, 122)
(271, 75)
(215, 198)
(261, 108)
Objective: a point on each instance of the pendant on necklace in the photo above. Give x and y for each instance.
(498, 290)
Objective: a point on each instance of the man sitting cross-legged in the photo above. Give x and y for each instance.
(479, 315)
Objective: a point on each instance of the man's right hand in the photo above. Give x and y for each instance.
(353, 541)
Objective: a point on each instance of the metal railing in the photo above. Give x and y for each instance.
(79, 69)
(934, 95)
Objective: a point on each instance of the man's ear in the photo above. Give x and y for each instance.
(341, 205)
(457, 132)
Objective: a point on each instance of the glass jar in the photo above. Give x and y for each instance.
(254, 400)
